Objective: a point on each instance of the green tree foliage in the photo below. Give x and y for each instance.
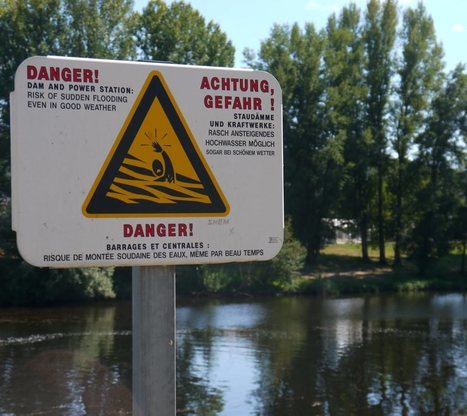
(359, 101)
(179, 34)
(312, 158)
(99, 28)
(460, 218)
(21, 284)
(81, 28)
(460, 224)
(379, 34)
(441, 155)
(346, 97)
(419, 72)
(260, 277)
(291, 258)
(276, 55)
(26, 28)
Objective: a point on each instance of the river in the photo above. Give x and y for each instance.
(369, 355)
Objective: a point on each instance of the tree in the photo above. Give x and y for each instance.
(346, 97)
(460, 223)
(311, 158)
(379, 35)
(27, 28)
(179, 34)
(419, 72)
(84, 28)
(441, 156)
(99, 29)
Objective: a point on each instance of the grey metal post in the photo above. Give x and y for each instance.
(154, 357)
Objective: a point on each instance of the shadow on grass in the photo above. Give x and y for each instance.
(339, 274)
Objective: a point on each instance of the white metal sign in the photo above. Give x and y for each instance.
(135, 163)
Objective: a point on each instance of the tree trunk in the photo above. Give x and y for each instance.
(312, 256)
(364, 237)
(398, 232)
(313, 244)
(381, 240)
(463, 257)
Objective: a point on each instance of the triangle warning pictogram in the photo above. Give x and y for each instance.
(155, 167)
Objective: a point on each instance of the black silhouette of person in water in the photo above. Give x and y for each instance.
(162, 169)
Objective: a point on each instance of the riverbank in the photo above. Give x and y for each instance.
(342, 272)
(379, 280)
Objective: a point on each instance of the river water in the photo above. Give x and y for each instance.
(372, 355)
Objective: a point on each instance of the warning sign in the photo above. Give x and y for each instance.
(155, 167)
(133, 163)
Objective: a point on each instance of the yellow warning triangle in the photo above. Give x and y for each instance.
(155, 167)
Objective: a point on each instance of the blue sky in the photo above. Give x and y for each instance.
(248, 22)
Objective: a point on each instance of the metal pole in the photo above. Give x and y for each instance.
(154, 341)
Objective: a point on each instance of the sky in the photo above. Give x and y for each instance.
(248, 22)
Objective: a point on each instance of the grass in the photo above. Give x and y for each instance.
(341, 271)
(354, 250)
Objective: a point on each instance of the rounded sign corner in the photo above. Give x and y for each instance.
(25, 255)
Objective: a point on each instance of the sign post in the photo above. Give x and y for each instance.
(147, 165)
(153, 333)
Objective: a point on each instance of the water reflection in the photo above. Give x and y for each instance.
(378, 355)
(61, 361)
(370, 355)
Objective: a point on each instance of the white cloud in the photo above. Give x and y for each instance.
(458, 28)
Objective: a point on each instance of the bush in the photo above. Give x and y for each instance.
(22, 284)
(252, 277)
(291, 259)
